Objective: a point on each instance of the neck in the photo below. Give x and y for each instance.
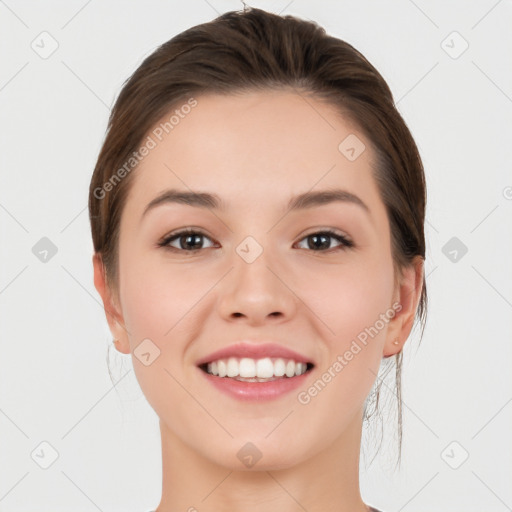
(327, 482)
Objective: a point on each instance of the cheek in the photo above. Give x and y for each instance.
(156, 298)
(348, 298)
(351, 302)
(158, 306)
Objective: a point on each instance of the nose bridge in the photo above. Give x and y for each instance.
(255, 288)
(252, 263)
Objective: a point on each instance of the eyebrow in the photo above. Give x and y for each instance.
(212, 201)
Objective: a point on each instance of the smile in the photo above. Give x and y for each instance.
(251, 371)
(246, 369)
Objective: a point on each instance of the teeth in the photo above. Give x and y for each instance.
(303, 368)
(290, 368)
(221, 365)
(264, 368)
(279, 367)
(232, 367)
(247, 368)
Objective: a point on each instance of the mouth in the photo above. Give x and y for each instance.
(258, 371)
(246, 369)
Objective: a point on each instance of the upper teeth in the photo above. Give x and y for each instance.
(262, 368)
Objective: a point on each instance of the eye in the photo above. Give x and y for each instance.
(188, 240)
(191, 240)
(321, 241)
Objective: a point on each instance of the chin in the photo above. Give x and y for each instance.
(259, 455)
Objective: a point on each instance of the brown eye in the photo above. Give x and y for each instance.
(187, 240)
(321, 241)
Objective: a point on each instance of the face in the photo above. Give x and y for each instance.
(261, 276)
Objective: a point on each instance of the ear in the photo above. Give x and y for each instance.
(111, 306)
(408, 296)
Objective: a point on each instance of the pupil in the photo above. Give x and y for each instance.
(325, 243)
(196, 239)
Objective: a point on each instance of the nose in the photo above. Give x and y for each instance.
(257, 292)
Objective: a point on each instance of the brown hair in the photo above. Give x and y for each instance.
(256, 50)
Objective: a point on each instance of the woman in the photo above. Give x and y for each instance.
(257, 213)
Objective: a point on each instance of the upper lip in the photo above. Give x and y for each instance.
(254, 351)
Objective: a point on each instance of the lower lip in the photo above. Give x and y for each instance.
(256, 390)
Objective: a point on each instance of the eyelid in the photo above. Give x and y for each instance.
(344, 239)
(180, 232)
(330, 231)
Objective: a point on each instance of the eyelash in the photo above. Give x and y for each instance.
(345, 242)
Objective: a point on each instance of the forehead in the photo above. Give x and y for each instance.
(254, 148)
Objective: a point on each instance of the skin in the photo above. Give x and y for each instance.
(256, 150)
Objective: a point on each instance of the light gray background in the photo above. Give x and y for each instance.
(54, 382)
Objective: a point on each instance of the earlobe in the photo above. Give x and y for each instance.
(410, 290)
(121, 347)
(113, 315)
(396, 348)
